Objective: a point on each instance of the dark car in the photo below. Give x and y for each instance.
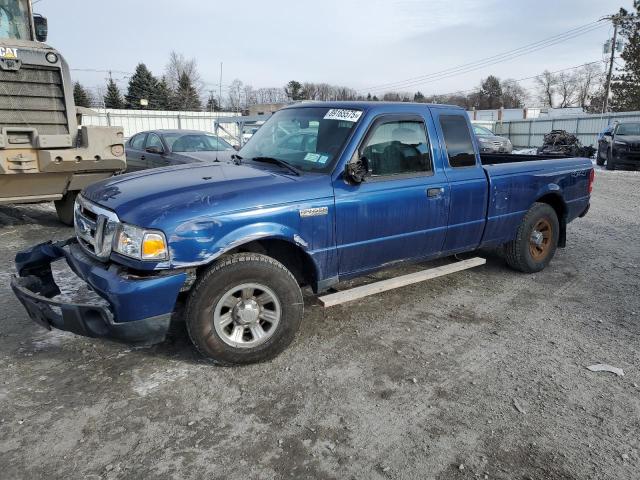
(159, 148)
(620, 146)
(489, 142)
(604, 141)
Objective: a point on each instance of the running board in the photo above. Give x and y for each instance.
(396, 282)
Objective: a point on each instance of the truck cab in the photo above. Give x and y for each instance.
(44, 154)
(369, 185)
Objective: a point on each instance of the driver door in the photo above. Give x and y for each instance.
(400, 212)
(155, 160)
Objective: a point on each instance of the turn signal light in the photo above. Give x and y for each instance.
(592, 177)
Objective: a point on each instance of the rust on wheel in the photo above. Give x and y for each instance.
(540, 241)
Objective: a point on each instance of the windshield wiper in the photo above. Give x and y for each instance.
(237, 159)
(279, 162)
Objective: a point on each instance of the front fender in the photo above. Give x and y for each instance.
(201, 250)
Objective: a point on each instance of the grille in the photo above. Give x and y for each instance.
(95, 227)
(634, 147)
(33, 97)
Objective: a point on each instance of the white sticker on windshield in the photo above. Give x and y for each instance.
(311, 157)
(340, 114)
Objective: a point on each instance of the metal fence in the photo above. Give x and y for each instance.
(530, 133)
(134, 121)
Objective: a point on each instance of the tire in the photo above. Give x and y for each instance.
(525, 254)
(599, 158)
(64, 207)
(610, 163)
(222, 324)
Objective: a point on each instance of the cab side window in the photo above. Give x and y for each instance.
(137, 141)
(398, 147)
(458, 141)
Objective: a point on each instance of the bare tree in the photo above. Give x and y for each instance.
(513, 95)
(178, 65)
(323, 91)
(234, 95)
(547, 84)
(309, 91)
(567, 89)
(588, 82)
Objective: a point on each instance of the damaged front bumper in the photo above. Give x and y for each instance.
(139, 308)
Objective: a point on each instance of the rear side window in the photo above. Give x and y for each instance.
(458, 141)
(137, 141)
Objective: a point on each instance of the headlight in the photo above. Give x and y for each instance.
(484, 140)
(141, 244)
(620, 144)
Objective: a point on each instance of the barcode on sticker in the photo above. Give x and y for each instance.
(341, 114)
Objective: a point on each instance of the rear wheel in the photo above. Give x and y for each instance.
(64, 207)
(536, 240)
(246, 308)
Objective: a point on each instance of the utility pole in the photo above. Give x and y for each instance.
(220, 90)
(614, 19)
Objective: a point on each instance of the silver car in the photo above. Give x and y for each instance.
(490, 142)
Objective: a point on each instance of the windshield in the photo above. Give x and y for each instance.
(14, 19)
(628, 129)
(478, 130)
(308, 138)
(195, 142)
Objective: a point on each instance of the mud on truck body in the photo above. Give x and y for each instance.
(44, 155)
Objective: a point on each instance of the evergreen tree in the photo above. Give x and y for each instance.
(293, 90)
(490, 93)
(626, 86)
(163, 95)
(212, 104)
(113, 98)
(419, 97)
(142, 86)
(186, 96)
(81, 96)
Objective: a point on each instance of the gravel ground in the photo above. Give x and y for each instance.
(481, 374)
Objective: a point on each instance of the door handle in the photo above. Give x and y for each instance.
(435, 192)
(142, 157)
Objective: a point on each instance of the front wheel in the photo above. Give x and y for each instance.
(246, 308)
(600, 158)
(610, 163)
(64, 207)
(536, 240)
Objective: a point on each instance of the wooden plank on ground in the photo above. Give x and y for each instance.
(396, 282)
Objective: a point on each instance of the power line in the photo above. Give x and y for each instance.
(487, 61)
(526, 78)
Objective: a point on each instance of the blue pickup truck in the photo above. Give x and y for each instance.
(321, 193)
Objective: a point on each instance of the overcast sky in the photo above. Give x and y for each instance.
(357, 43)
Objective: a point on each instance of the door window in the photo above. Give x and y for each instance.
(153, 140)
(137, 141)
(458, 141)
(398, 147)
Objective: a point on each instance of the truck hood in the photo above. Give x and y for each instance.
(164, 197)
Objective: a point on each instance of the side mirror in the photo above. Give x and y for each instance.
(154, 149)
(357, 170)
(41, 27)
(608, 134)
